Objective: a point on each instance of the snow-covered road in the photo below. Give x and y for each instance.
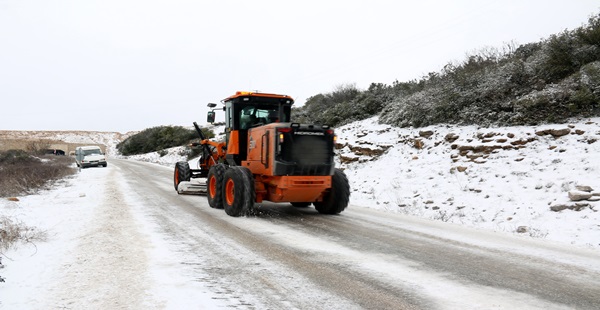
(123, 239)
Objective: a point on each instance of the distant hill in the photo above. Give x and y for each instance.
(547, 81)
(64, 140)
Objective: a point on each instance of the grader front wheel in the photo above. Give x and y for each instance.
(214, 184)
(182, 173)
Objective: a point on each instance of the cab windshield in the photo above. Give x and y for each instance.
(92, 152)
(252, 116)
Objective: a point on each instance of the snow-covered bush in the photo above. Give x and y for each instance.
(347, 103)
(157, 139)
(547, 81)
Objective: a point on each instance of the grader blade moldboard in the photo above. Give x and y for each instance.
(192, 188)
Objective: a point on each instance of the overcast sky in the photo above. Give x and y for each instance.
(121, 65)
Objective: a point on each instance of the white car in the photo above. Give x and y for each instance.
(89, 156)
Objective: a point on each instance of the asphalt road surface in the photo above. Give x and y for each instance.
(282, 257)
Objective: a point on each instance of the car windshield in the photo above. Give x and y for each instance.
(92, 152)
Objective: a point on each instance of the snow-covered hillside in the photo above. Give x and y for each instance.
(110, 139)
(514, 179)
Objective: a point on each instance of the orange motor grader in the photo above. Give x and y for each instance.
(265, 156)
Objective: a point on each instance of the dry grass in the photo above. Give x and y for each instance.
(21, 173)
(13, 231)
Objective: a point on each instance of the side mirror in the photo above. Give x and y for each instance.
(210, 117)
(212, 105)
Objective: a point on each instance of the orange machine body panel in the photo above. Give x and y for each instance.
(261, 151)
(256, 147)
(256, 94)
(291, 188)
(233, 147)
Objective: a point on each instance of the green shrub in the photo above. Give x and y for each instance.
(560, 61)
(546, 81)
(327, 108)
(158, 138)
(590, 34)
(346, 104)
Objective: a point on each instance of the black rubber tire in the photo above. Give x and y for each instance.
(301, 204)
(338, 197)
(214, 186)
(238, 191)
(182, 173)
(251, 192)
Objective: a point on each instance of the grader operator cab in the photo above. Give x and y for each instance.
(265, 157)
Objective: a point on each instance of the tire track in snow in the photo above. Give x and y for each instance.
(108, 269)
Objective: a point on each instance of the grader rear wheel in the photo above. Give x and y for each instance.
(239, 195)
(337, 199)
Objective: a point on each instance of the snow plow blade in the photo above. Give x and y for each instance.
(192, 188)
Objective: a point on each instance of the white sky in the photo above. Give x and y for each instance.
(128, 65)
